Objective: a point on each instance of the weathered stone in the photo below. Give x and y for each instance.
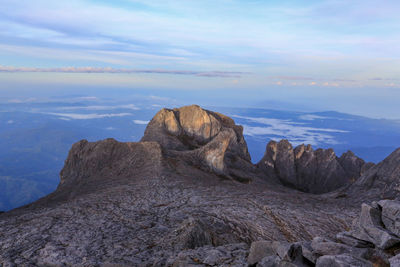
(289, 252)
(391, 215)
(192, 234)
(308, 251)
(89, 162)
(260, 250)
(343, 260)
(395, 261)
(348, 239)
(381, 181)
(203, 139)
(198, 123)
(302, 168)
(369, 227)
(228, 255)
(323, 246)
(269, 261)
(352, 165)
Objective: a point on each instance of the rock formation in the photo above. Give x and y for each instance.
(381, 180)
(313, 171)
(173, 200)
(203, 138)
(372, 241)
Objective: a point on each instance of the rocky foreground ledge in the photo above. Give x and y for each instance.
(187, 194)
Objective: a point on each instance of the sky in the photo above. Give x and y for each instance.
(335, 54)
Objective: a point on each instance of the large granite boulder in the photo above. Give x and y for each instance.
(314, 171)
(391, 215)
(205, 139)
(369, 227)
(276, 253)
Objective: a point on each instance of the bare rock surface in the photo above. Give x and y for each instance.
(375, 246)
(202, 138)
(188, 195)
(343, 260)
(314, 171)
(391, 215)
(380, 181)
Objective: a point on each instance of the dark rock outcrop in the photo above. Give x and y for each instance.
(380, 181)
(313, 171)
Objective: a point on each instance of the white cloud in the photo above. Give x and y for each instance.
(87, 98)
(75, 116)
(98, 107)
(140, 122)
(19, 101)
(223, 74)
(296, 133)
(10, 122)
(311, 117)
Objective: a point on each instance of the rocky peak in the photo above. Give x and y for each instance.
(203, 138)
(381, 180)
(308, 170)
(93, 165)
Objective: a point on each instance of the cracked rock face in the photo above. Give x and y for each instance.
(314, 171)
(380, 181)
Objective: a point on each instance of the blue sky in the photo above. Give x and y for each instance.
(305, 51)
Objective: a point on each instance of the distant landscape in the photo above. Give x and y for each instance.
(37, 135)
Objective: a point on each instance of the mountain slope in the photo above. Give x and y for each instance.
(151, 203)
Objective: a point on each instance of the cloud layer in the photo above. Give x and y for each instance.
(77, 116)
(297, 133)
(356, 40)
(231, 74)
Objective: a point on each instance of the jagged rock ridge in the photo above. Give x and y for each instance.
(314, 171)
(380, 181)
(162, 202)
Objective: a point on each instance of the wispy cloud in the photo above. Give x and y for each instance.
(291, 78)
(75, 116)
(141, 122)
(103, 107)
(229, 74)
(311, 117)
(19, 101)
